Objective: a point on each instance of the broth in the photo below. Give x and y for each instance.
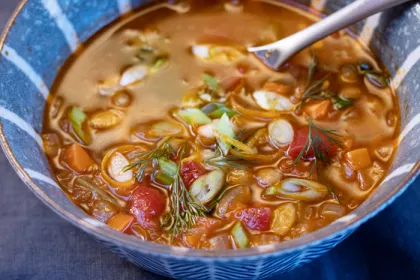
(162, 126)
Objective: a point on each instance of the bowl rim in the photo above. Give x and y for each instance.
(134, 244)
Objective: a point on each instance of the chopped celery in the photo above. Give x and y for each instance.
(225, 128)
(193, 116)
(211, 82)
(239, 235)
(205, 188)
(216, 110)
(163, 178)
(77, 118)
(168, 167)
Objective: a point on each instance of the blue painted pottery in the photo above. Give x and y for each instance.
(43, 33)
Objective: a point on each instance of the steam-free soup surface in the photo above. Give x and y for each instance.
(164, 127)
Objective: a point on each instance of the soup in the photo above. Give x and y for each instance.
(162, 126)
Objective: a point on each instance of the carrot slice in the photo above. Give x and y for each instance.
(77, 158)
(120, 221)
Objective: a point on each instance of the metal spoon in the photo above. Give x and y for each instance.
(275, 54)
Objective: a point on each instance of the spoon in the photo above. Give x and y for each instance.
(275, 54)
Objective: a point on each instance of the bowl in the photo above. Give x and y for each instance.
(42, 34)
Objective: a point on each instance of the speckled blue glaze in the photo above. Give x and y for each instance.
(43, 35)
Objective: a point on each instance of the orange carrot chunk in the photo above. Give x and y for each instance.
(120, 221)
(358, 159)
(77, 158)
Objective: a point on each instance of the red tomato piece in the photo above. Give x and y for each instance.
(191, 171)
(299, 141)
(147, 204)
(257, 218)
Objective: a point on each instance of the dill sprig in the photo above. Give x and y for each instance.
(184, 209)
(314, 88)
(145, 159)
(317, 141)
(226, 162)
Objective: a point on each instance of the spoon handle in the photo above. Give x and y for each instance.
(350, 14)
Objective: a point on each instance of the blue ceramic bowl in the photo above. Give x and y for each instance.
(43, 33)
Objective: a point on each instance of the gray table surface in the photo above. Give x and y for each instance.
(36, 244)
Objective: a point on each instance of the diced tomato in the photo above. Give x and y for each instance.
(191, 171)
(257, 218)
(147, 204)
(299, 141)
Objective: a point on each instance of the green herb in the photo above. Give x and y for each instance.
(193, 116)
(314, 91)
(145, 159)
(313, 65)
(226, 162)
(319, 140)
(77, 118)
(340, 103)
(184, 209)
(216, 110)
(211, 82)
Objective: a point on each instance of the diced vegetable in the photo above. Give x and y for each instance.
(133, 75)
(168, 167)
(163, 178)
(235, 198)
(165, 128)
(268, 176)
(211, 82)
(284, 218)
(120, 222)
(272, 101)
(358, 159)
(297, 189)
(205, 188)
(220, 242)
(76, 158)
(193, 116)
(147, 204)
(103, 210)
(281, 132)
(256, 218)
(77, 118)
(318, 109)
(239, 235)
(106, 119)
(224, 128)
(217, 110)
(208, 130)
(116, 166)
(191, 171)
(51, 143)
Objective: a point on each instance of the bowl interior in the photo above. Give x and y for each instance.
(45, 33)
